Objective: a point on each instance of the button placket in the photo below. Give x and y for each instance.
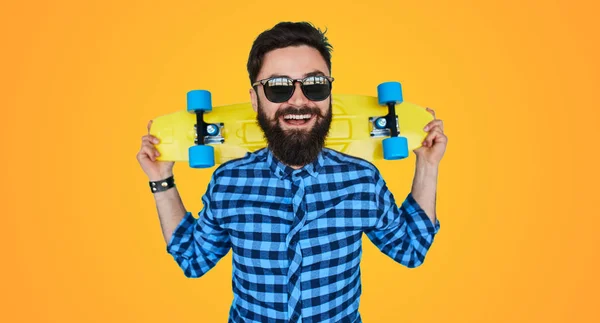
(294, 251)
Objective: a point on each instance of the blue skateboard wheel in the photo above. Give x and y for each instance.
(199, 100)
(201, 156)
(395, 148)
(389, 92)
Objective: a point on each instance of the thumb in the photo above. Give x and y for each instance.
(418, 150)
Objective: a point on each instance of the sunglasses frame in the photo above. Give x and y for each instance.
(301, 81)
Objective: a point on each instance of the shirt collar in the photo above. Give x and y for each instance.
(282, 170)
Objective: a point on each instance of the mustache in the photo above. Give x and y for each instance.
(301, 110)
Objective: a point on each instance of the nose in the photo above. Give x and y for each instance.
(298, 99)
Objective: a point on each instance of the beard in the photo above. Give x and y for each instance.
(295, 147)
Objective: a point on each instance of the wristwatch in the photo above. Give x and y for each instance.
(162, 185)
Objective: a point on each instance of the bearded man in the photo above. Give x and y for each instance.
(294, 213)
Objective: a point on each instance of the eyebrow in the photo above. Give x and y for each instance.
(313, 73)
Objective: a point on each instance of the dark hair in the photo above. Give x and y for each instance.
(286, 34)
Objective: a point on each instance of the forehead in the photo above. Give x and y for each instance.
(293, 61)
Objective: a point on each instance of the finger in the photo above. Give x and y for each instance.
(441, 138)
(152, 147)
(428, 139)
(149, 152)
(434, 123)
(151, 139)
(143, 155)
(434, 138)
(432, 134)
(431, 138)
(436, 129)
(149, 125)
(431, 111)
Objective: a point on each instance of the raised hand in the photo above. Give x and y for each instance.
(434, 144)
(154, 169)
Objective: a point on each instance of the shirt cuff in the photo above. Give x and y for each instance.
(183, 228)
(416, 216)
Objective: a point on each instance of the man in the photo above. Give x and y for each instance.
(294, 213)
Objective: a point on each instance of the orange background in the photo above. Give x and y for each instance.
(514, 81)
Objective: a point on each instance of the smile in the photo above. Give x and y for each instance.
(297, 119)
(297, 116)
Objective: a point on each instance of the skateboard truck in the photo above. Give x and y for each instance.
(394, 147)
(201, 155)
(379, 126)
(212, 133)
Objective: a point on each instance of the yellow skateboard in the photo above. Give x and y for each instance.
(372, 128)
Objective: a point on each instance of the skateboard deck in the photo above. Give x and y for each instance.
(354, 129)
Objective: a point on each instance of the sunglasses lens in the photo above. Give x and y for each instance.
(279, 90)
(316, 88)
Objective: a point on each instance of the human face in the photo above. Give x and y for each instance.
(296, 142)
(295, 62)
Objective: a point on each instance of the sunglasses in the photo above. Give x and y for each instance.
(280, 89)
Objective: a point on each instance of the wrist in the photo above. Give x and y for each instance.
(424, 164)
(160, 177)
(162, 185)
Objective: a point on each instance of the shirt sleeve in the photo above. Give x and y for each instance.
(403, 233)
(198, 244)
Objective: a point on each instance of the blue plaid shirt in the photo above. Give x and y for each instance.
(296, 235)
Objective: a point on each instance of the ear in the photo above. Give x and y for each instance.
(254, 99)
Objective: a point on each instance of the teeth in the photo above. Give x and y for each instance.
(297, 116)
